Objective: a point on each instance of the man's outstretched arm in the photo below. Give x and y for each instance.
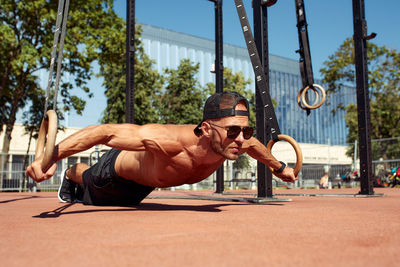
(120, 136)
(258, 151)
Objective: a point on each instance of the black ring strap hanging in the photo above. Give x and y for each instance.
(60, 28)
(269, 112)
(305, 63)
(306, 71)
(49, 125)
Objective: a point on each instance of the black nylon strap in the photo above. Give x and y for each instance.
(306, 71)
(269, 112)
(60, 53)
(60, 28)
(304, 51)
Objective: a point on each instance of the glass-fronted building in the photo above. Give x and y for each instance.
(167, 48)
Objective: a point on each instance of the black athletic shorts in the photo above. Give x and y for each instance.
(103, 187)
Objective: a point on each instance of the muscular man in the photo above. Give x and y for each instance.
(154, 155)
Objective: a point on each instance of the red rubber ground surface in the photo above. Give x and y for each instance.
(37, 230)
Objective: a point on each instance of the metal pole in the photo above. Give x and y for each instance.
(364, 119)
(219, 76)
(130, 61)
(355, 155)
(264, 176)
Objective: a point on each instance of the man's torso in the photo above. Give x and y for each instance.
(157, 168)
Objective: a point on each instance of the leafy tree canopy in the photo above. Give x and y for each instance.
(147, 81)
(26, 39)
(183, 99)
(384, 91)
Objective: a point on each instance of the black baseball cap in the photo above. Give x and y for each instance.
(222, 105)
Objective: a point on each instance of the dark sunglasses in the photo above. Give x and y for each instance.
(234, 130)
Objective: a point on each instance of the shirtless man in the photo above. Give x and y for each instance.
(154, 155)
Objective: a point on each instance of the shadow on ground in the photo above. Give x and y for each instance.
(142, 207)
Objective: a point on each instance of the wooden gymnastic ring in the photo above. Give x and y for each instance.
(295, 145)
(48, 129)
(301, 92)
(303, 96)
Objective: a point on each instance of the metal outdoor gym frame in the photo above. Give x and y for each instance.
(261, 41)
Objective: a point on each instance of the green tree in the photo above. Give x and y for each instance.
(183, 98)
(26, 37)
(147, 81)
(243, 162)
(384, 88)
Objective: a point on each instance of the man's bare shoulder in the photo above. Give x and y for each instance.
(169, 134)
(174, 131)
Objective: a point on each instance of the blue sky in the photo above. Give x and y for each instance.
(329, 24)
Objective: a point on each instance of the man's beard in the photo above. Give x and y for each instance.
(219, 149)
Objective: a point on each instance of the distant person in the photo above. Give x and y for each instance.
(395, 177)
(355, 175)
(324, 181)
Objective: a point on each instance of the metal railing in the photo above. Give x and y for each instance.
(13, 178)
(16, 180)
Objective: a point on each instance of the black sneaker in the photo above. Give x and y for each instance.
(66, 191)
